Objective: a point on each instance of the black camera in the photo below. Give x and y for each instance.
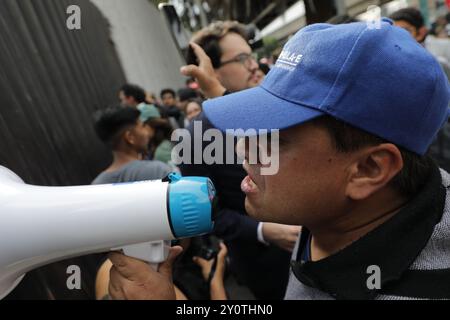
(207, 247)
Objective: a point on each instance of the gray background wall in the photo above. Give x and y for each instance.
(144, 44)
(51, 81)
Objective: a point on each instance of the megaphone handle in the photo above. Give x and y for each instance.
(154, 252)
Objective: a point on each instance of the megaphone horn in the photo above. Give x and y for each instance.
(42, 225)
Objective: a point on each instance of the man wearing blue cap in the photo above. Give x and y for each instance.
(357, 109)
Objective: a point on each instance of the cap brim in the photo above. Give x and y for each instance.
(256, 109)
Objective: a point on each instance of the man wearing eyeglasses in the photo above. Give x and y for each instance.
(234, 63)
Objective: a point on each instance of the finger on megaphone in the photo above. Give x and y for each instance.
(130, 268)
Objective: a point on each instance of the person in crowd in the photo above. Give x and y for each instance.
(215, 279)
(440, 23)
(135, 97)
(131, 95)
(199, 273)
(184, 96)
(354, 169)
(412, 21)
(193, 109)
(160, 146)
(171, 109)
(168, 98)
(128, 137)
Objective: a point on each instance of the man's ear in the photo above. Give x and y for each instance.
(372, 169)
(128, 137)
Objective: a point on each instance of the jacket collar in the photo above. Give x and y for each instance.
(393, 247)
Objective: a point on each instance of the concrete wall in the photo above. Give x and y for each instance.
(148, 54)
(51, 82)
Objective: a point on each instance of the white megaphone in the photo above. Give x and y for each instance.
(42, 225)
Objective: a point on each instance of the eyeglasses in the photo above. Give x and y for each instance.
(243, 58)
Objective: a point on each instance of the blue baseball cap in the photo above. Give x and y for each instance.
(379, 80)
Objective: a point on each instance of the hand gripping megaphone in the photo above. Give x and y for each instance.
(42, 225)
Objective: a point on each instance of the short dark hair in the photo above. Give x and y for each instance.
(197, 101)
(166, 91)
(410, 15)
(208, 38)
(111, 122)
(131, 90)
(346, 138)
